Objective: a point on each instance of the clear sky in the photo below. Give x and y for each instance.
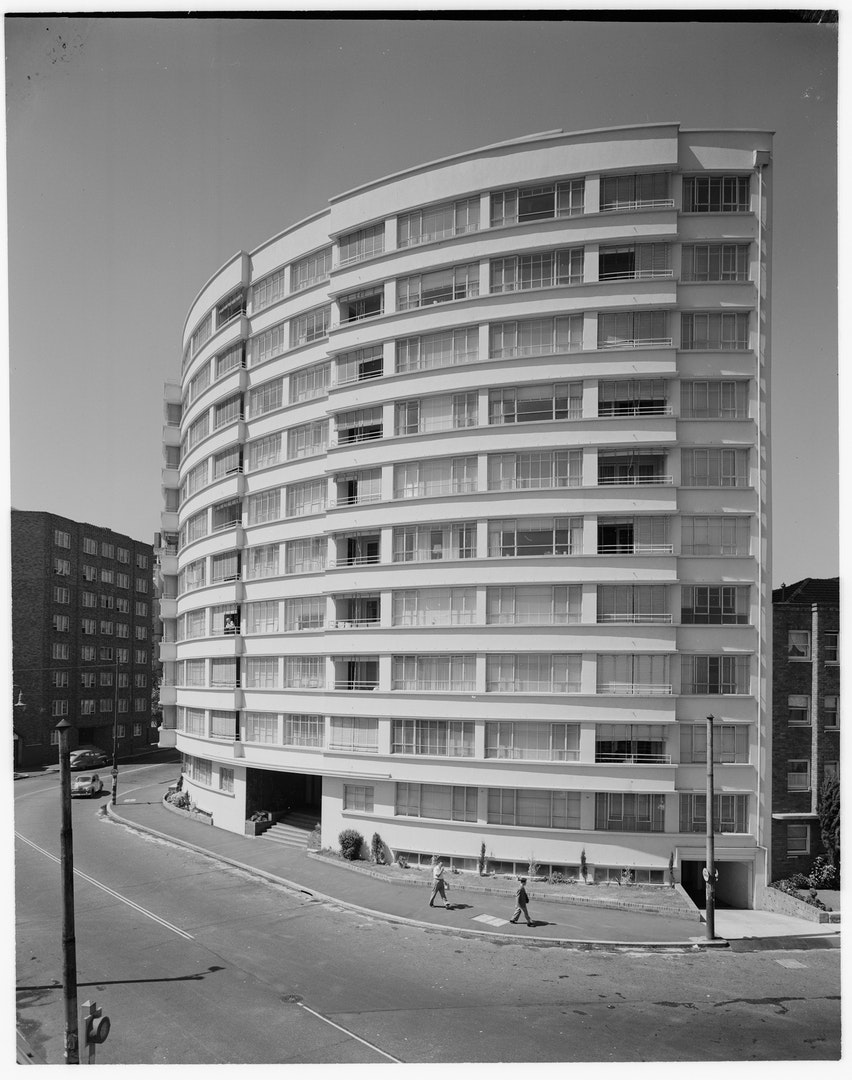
(142, 153)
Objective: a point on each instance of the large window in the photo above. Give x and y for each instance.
(635, 191)
(628, 812)
(422, 543)
(232, 358)
(634, 536)
(433, 673)
(264, 506)
(633, 397)
(713, 605)
(530, 605)
(262, 617)
(310, 270)
(517, 537)
(355, 734)
(272, 342)
(305, 556)
(533, 673)
(261, 561)
(363, 486)
(225, 567)
(714, 262)
(362, 244)
(536, 337)
(228, 411)
(714, 674)
(730, 813)
(362, 304)
(303, 729)
(265, 452)
(305, 672)
(434, 607)
(307, 440)
(539, 271)
(308, 497)
(261, 672)
(441, 476)
(444, 412)
(197, 430)
(534, 809)
(633, 744)
(227, 515)
(716, 331)
(444, 349)
(358, 797)
(715, 194)
(535, 469)
(442, 802)
(544, 401)
(633, 329)
(634, 262)
(437, 287)
(433, 738)
(260, 727)
(715, 399)
(266, 397)
(633, 604)
(730, 744)
(304, 613)
(267, 291)
(359, 425)
(723, 535)
(229, 308)
(531, 740)
(431, 223)
(359, 365)
(310, 326)
(514, 205)
(633, 673)
(714, 467)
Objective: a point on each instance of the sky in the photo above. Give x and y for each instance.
(142, 153)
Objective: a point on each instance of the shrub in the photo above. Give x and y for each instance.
(823, 874)
(533, 869)
(401, 861)
(180, 799)
(377, 850)
(800, 881)
(557, 879)
(351, 842)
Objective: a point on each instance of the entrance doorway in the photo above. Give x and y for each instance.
(732, 888)
(282, 792)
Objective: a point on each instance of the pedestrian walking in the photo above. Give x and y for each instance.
(439, 885)
(521, 899)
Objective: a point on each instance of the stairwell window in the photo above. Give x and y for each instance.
(540, 271)
(715, 194)
(537, 202)
(714, 331)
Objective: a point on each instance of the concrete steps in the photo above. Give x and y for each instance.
(293, 831)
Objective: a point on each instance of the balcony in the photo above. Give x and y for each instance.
(634, 481)
(638, 689)
(634, 617)
(636, 343)
(635, 549)
(606, 758)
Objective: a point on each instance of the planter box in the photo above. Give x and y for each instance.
(258, 828)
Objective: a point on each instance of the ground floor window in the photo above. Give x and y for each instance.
(440, 801)
(535, 809)
(226, 780)
(198, 770)
(798, 839)
(730, 813)
(358, 797)
(629, 812)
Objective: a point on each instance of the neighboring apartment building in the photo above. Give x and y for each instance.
(805, 717)
(81, 637)
(466, 521)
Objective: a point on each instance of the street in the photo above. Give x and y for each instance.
(197, 963)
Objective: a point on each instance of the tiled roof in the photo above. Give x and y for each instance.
(809, 591)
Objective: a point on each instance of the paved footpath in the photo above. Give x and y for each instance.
(473, 910)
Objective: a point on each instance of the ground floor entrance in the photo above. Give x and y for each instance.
(282, 792)
(732, 888)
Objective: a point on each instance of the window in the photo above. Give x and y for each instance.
(356, 673)
(194, 528)
(633, 604)
(354, 734)
(265, 452)
(830, 711)
(434, 607)
(717, 467)
(534, 809)
(433, 673)
(533, 673)
(230, 308)
(830, 646)
(58, 707)
(61, 539)
(539, 271)
(436, 476)
(433, 738)
(199, 383)
(140, 656)
(632, 329)
(192, 576)
(87, 707)
(532, 741)
(364, 486)
(437, 413)
(88, 653)
(307, 672)
(105, 705)
(260, 727)
(225, 567)
(269, 290)
(715, 674)
(637, 191)
(123, 555)
(358, 797)
(632, 673)
(87, 680)
(304, 613)
(634, 536)
(715, 399)
(226, 780)
(261, 562)
(715, 331)
(87, 626)
(633, 397)
(520, 537)
(61, 595)
(422, 543)
(141, 584)
(631, 744)
(799, 710)
(799, 775)
(62, 567)
(730, 813)
(358, 609)
(713, 605)
(308, 497)
(192, 721)
(723, 535)
(308, 440)
(437, 287)
(714, 262)
(442, 802)
(526, 404)
(536, 337)
(90, 546)
(141, 562)
(627, 812)
(529, 605)
(715, 194)
(272, 342)
(359, 425)
(197, 431)
(233, 358)
(358, 365)
(310, 326)
(301, 729)
(515, 205)
(59, 679)
(305, 556)
(798, 839)
(535, 469)
(798, 645)
(432, 223)
(362, 244)
(358, 549)
(310, 270)
(730, 743)
(226, 515)
(194, 480)
(90, 573)
(362, 304)
(60, 651)
(264, 506)
(444, 349)
(266, 397)
(262, 617)
(634, 262)
(107, 550)
(228, 411)
(227, 462)
(261, 672)
(223, 672)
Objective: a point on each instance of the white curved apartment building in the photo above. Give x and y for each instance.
(466, 525)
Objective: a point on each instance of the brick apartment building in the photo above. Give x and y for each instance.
(82, 645)
(805, 717)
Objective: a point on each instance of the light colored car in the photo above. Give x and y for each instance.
(87, 757)
(89, 784)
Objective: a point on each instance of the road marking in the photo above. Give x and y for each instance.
(351, 1034)
(791, 963)
(117, 896)
(128, 770)
(492, 920)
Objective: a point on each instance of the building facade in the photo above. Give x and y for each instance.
(81, 637)
(805, 717)
(466, 510)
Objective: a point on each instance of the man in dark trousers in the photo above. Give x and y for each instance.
(521, 900)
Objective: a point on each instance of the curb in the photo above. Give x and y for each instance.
(587, 945)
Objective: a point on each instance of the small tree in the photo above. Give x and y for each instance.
(377, 850)
(533, 869)
(480, 862)
(828, 809)
(671, 869)
(584, 869)
(351, 842)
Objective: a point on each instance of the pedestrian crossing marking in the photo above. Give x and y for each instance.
(492, 920)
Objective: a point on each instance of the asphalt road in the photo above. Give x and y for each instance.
(197, 963)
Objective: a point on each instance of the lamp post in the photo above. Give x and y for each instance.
(69, 939)
(710, 868)
(114, 796)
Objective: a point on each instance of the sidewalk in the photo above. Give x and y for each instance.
(473, 911)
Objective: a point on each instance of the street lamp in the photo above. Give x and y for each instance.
(710, 873)
(69, 939)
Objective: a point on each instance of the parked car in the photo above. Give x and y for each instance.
(88, 757)
(88, 784)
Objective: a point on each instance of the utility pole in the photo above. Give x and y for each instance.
(114, 797)
(69, 939)
(710, 868)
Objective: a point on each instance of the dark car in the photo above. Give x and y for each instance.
(88, 757)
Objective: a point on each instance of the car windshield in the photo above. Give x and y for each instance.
(83, 779)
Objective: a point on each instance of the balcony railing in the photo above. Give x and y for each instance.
(633, 481)
(426, 488)
(635, 549)
(355, 500)
(356, 684)
(636, 343)
(637, 204)
(354, 560)
(634, 688)
(439, 234)
(649, 409)
(354, 624)
(635, 275)
(503, 753)
(634, 617)
(602, 757)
